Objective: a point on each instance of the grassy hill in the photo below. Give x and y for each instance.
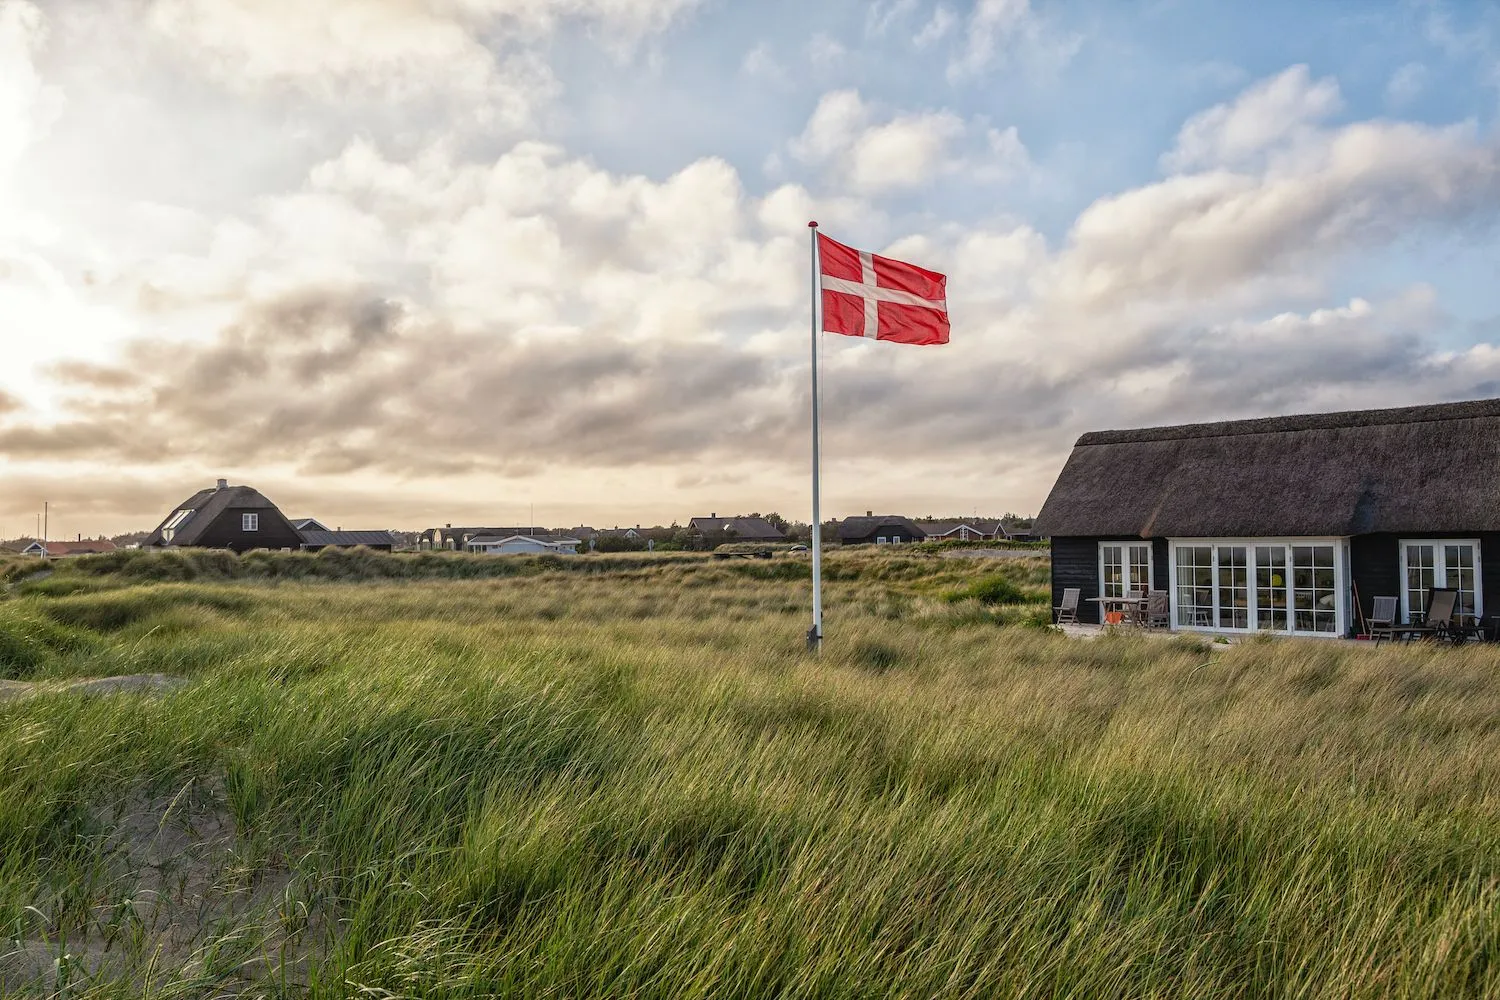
(453, 776)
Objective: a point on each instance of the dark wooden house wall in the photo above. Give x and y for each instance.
(1075, 563)
(275, 531)
(1375, 567)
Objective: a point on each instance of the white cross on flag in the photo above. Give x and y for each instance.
(865, 295)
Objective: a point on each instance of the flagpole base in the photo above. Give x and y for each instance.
(814, 640)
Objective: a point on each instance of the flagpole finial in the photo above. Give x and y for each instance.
(812, 225)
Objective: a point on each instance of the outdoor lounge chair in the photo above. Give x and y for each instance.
(1068, 610)
(1440, 621)
(1158, 609)
(1383, 619)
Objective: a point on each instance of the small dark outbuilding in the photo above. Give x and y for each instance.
(1273, 525)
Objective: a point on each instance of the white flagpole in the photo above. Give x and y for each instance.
(815, 634)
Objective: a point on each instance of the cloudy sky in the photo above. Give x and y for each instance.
(402, 262)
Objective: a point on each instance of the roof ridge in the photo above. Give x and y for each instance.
(1330, 420)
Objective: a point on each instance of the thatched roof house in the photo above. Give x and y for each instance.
(880, 529)
(1274, 524)
(735, 529)
(225, 517)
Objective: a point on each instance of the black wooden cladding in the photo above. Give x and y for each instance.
(1375, 566)
(1075, 563)
(226, 531)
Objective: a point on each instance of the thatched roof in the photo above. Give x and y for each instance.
(750, 529)
(1417, 469)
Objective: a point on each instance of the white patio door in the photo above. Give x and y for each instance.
(1124, 567)
(1452, 564)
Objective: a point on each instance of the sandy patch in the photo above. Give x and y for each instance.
(148, 683)
(176, 896)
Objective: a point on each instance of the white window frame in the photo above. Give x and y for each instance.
(880, 540)
(249, 522)
(1440, 570)
(169, 530)
(1341, 608)
(1131, 583)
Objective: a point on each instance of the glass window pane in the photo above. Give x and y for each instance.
(1140, 569)
(1113, 583)
(1234, 587)
(1458, 574)
(1314, 597)
(1195, 578)
(1420, 577)
(1270, 588)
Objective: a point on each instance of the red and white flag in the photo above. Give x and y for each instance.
(865, 295)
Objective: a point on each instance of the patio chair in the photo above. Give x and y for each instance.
(1382, 621)
(1068, 610)
(1158, 609)
(1440, 615)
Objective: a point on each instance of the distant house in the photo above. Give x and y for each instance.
(309, 524)
(879, 529)
(457, 539)
(81, 547)
(241, 518)
(517, 545)
(627, 534)
(1285, 525)
(1017, 532)
(735, 529)
(380, 541)
(952, 529)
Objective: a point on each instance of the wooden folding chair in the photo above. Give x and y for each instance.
(1068, 610)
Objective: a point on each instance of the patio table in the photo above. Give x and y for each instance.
(1134, 608)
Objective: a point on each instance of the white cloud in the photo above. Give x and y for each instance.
(399, 50)
(826, 52)
(27, 105)
(885, 13)
(1000, 30)
(1273, 112)
(1197, 236)
(872, 151)
(762, 64)
(1406, 84)
(937, 27)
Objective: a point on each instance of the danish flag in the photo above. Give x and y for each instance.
(866, 295)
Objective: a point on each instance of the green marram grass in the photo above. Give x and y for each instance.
(453, 776)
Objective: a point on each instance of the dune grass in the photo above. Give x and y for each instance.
(625, 778)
